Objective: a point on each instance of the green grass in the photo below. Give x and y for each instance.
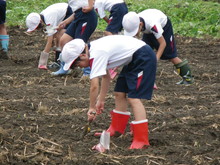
(17, 10)
(194, 18)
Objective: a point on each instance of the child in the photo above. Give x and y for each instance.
(158, 33)
(4, 37)
(135, 82)
(82, 22)
(50, 17)
(117, 9)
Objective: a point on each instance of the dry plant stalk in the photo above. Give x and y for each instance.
(135, 157)
(22, 157)
(49, 141)
(51, 150)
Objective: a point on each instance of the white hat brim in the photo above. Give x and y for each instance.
(68, 65)
(132, 33)
(31, 30)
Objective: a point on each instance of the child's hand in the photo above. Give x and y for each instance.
(100, 107)
(86, 9)
(91, 114)
(62, 25)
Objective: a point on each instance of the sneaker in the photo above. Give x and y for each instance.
(186, 81)
(3, 54)
(61, 72)
(54, 65)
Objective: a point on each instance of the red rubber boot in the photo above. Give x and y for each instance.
(140, 134)
(118, 123)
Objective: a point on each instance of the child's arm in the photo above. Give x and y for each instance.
(103, 92)
(161, 48)
(48, 44)
(94, 90)
(157, 31)
(67, 21)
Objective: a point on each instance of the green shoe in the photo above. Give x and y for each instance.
(186, 81)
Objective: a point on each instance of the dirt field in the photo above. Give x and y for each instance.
(41, 117)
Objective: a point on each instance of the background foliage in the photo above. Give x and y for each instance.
(194, 18)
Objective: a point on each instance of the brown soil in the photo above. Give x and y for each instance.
(42, 117)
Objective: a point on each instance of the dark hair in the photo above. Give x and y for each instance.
(39, 26)
(77, 60)
(84, 51)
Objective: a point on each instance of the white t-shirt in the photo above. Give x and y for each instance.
(154, 20)
(76, 4)
(110, 52)
(105, 5)
(53, 16)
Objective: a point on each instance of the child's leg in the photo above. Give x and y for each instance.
(57, 54)
(138, 109)
(64, 39)
(3, 30)
(4, 42)
(183, 70)
(4, 37)
(120, 101)
(139, 127)
(58, 36)
(176, 60)
(42, 64)
(115, 18)
(119, 116)
(140, 134)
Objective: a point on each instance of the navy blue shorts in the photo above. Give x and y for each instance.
(170, 50)
(69, 12)
(115, 18)
(83, 25)
(138, 77)
(2, 12)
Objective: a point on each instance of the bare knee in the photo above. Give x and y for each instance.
(120, 101)
(120, 96)
(64, 39)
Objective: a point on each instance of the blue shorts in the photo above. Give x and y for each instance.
(138, 77)
(2, 12)
(69, 12)
(83, 25)
(170, 50)
(117, 13)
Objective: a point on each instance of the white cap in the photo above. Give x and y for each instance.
(32, 21)
(71, 52)
(131, 22)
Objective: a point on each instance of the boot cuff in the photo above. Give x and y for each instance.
(179, 65)
(122, 113)
(140, 121)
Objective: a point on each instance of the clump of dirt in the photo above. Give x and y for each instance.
(42, 117)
